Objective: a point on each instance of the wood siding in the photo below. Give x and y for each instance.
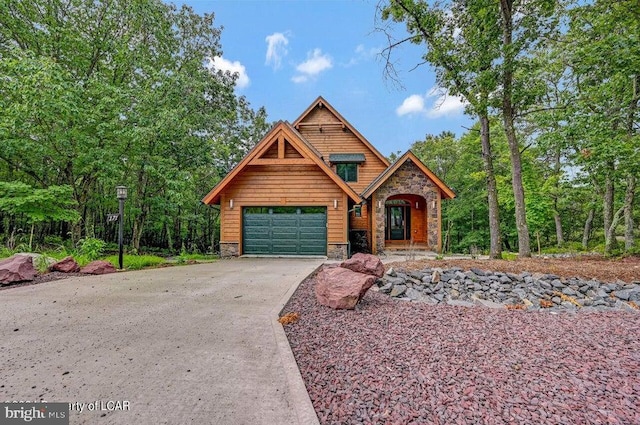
(360, 223)
(272, 185)
(334, 139)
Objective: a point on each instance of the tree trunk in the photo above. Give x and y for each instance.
(138, 227)
(524, 249)
(559, 235)
(607, 200)
(169, 237)
(508, 114)
(610, 237)
(629, 196)
(587, 228)
(557, 169)
(609, 216)
(33, 225)
(495, 249)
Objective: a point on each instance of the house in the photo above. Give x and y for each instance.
(311, 187)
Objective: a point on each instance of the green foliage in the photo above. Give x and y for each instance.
(568, 248)
(40, 264)
(99, 94)
(91, 248)
(53, 203)
(509, 256)
(136, 262)
(566, 85)
(5, 252)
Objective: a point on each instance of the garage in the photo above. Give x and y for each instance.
(284, 230)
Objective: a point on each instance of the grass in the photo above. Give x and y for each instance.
(510, 256)
(183, 258)
(136, 262)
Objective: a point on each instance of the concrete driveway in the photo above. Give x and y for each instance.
(191, 344)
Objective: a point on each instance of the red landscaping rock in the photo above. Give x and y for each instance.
(399, 362)
(98, 267)
(341, 288)
(66, 265)
(364, 263)
(18, 268)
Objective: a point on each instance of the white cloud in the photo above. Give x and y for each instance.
(276, 49)
(221, 64)
(445, 104)
(414, 104)
(435, 104)
(316, 63)
(362, 54)
(299, 79)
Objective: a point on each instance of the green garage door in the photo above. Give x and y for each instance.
(284, 230)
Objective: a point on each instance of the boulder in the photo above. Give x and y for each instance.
(18, 268)
(364, 263)
(66, 265)
(98, 267)
(341, 288)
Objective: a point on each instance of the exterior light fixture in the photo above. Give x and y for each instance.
(335, 204)
(121, 194)
(230, 203)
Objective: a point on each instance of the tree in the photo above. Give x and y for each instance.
(602, 71)
(459, 163)
(461, 45)
(37, 205)
(98, 94)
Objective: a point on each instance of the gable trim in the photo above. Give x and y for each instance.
(446, 191)
(323, 103)
(310, 156)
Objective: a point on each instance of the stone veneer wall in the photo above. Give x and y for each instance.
(229, 249)
(337, 251)
(408, 179)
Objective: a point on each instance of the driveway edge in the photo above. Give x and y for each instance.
(299, 396)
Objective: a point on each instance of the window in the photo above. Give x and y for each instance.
(348, 172)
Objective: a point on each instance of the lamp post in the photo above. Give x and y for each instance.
(121, 193)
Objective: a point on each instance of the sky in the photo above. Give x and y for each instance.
(287, 53)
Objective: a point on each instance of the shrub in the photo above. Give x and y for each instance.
(509, 256)
(91, 248)
(40, 263)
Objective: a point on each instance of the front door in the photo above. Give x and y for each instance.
(398, 222)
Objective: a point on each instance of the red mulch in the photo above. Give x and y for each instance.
(398, 362)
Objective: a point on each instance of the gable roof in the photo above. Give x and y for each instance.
(308, 152)
(320, 101)
(408, 156)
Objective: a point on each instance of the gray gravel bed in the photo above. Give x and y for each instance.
(394, 362)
